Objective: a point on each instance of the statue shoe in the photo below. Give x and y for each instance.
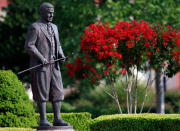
(45, 123)
(60, 122)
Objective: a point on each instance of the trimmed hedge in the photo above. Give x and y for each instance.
(79, 121)
(137, 122)
(16, 110)
(17, 129)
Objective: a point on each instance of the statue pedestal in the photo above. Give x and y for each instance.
(54, 128)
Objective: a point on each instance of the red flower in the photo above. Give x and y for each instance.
(147, 44)
(148, 52)
(88, 58)
(122, 71)
(105, 72)
(125, 45)
(165, 44)
(164, 63)
(129, 45)
(70, 70)
(158, 50)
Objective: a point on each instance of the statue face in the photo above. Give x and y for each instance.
(48, 14)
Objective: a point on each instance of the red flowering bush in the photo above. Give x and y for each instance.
(133, 39)
(126, 48)
(80, 69)
(99, 43)
(163, 52)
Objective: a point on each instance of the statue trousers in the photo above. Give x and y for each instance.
(47, 85)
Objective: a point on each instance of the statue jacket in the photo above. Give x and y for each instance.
(38, 44)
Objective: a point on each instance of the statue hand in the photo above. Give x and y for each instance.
(64, 59)
(45, 62)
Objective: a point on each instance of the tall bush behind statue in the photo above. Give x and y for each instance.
(16, 110)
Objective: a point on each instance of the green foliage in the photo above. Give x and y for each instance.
(16, 109)
(17, 129)
(79, 121)
(163, 11)
(139, 122)
(171, 99)
(97, 111)
(97, 95)
(13, 32)
(97, 102)
(71, 17)
(65, 107)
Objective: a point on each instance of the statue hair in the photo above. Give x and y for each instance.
(44, 6)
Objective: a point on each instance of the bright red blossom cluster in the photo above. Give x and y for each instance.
(123, 46)
(81, 69)
(99, 42)
(131, 33)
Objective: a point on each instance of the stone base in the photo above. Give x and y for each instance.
(54, 128)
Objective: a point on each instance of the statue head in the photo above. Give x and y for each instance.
(47, 11)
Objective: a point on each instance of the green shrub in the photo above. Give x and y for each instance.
(79, 121)
(16, 110)
(17, 129)
(138, 122)
(97, 111)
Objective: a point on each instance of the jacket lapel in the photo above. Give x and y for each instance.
(56, 39)
(44, 30)
(55, 33)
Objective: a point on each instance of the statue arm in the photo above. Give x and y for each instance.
(30, 44)
(60, 51)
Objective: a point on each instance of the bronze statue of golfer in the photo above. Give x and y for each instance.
(43, 46)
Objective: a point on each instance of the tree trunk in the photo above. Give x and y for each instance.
(116, 97)
(160, 108)
(136, 93)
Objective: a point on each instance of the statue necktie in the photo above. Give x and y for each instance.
(51, 34)
(50, 30)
